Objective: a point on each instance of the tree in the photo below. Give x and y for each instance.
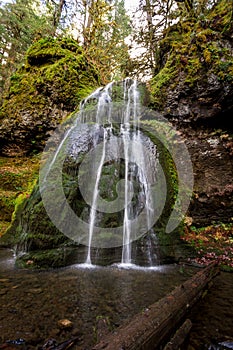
(153, 17)
(103, 26)
(56, 13)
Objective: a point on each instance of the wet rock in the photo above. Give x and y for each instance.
(212, 169)
(221, 346)
(50, 343)
(13, 344)
(197, 97)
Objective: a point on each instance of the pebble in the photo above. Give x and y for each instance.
(64, 324)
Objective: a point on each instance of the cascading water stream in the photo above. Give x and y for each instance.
(129, 95)
(131, 111)
(104, 103)
(94, 202)
(126, 249)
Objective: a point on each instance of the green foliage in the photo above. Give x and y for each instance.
(56, 66)
(20, 25)
(212, 243)
(43, 259)
(104, 38)
(101, 28)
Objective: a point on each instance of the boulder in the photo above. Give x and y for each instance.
(56, 76)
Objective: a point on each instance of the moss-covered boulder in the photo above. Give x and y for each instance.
(55, 77)
(194, 76)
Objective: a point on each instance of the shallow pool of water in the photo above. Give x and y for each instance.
(32, 302)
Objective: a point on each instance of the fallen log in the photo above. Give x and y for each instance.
(180, 336)
(155, 326)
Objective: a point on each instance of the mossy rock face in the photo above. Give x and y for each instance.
(194, 76)
(45, 259)
(17, 175)
(33, 233)
(31, 228)
(55, 77)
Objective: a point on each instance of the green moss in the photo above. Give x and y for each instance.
(3, 227)
(43, 259)
(167, 163)
(221, 16)
(57, 65)
(53, 49)
(159, 84)
(7, 203)
(16, 174)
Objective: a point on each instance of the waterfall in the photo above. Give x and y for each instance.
(131, 111)
(113, 165)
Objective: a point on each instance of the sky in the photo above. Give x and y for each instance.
(131, 4)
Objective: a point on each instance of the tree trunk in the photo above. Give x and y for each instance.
(58, 8)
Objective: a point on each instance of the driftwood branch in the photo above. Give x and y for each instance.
(153, 328)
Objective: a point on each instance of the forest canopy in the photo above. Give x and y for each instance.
(118, 41)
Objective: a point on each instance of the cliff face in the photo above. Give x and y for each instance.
(194, 80)
(55, 77)
(193, 88)
(211, 154)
